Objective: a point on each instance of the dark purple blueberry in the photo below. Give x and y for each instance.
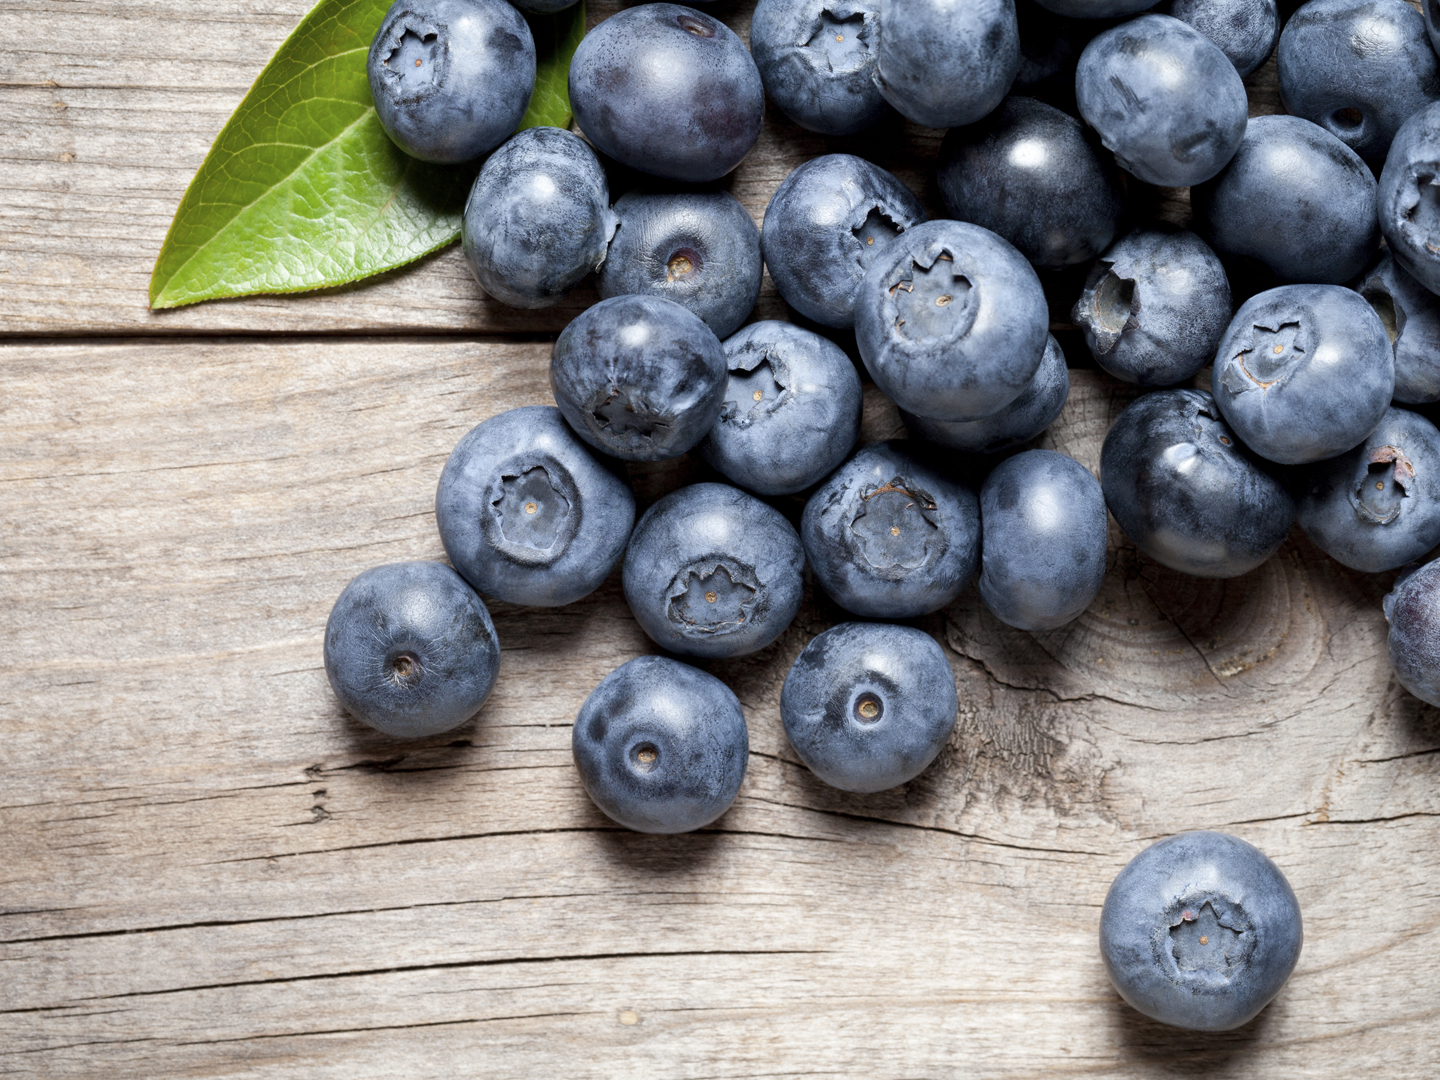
(1411, 316)
(1413, 610)
(1409, 197)
(1245, 30)
(817, 61)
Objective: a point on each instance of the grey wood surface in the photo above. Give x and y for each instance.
(207, 870)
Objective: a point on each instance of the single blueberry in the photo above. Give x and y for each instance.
(1042, 548)
(1358, 68)
(869, 706)
(528, 514)
(946, 63)
(700, 250)
(1096, 9)
(451, 78)
(824, 226)
(538, 218)
(667, 90)
(1411, 316)
(1304, 372)
(661, 746)
(817, 61)
(1245, 30)
(1294, 198)
(1184, 490)
(639, 377)
(791, 413)
(1409, 197)
(1200, 931)
(713, 572)
(951, 321)
(410, 649)
(1155, 306)
(1164, 98)
(1413, 610)
(1024, 418)
(1035, 176)
(889, 537)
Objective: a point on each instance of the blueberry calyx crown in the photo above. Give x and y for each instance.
(1378, 498)
(895, 526)
(712, 596)
(1203, 941)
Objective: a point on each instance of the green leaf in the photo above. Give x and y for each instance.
(304, 190)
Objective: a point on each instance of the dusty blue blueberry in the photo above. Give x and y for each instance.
(410, 649)
(951, 321)
(1024, 418)
(1042, 547)
(1096, 9)
(817, 61)
(639, 377)
(825, 225)
(667, 90)
(538, 218)
(869, 706)
(1413, 610)
(889, 536)
(661, 746)
(1037, 177)
(1411, 316)
(1200, 931)
(1376, 507)
(451, 78)
(1295, 199)
(1409, 197)
(1244, 30)
(1184, 490)
(701, 250)
(713, 572)
(528, 514)
(1155, 306)
(1304, 372)
(1358, 68)
(946, 63)
(791, 412)
(1164, 98)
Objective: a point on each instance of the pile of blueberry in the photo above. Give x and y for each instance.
(1060, 113)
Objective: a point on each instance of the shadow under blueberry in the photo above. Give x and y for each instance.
(1177, 1052)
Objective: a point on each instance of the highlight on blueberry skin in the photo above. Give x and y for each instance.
(817, 61)
(1185, 491)
(951, 321)
(410, 649)
(638, 377)
(1412, 609)
(1304, 372)
(869, 706)
(1200, 931)
(538, 218)
(700, 250)
(528, 514)
(791, 412)
(451, 79)
(1409, 197)
(1410, 314)
(1245, 30)
(825, 225)
(713, 572)
(661, 746)
(889, 536)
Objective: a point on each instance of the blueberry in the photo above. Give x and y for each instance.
(1096, 9)
(410, 649)
(661, 746)
(1035, 176)
(1200, 931)
(538, 218)
(1024, 418)
(1245, 30)
(1409, 197)
(791, 412)
(869, 706)
(1185, 492)
(451, 78)
(700, 250)
(1357, 68)
(951, 321)
(1413, 611)
(825, 224)
(667, 90)
(1411, 316)
(1304, 372)
(1043, 530)
(946, 63)
(1296, 199)
(890, 537)
(639, 377)
(817, 61)
(713, 572)
(1155, 306)
(1164, 98)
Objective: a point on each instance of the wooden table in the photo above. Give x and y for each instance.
(208, 870)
